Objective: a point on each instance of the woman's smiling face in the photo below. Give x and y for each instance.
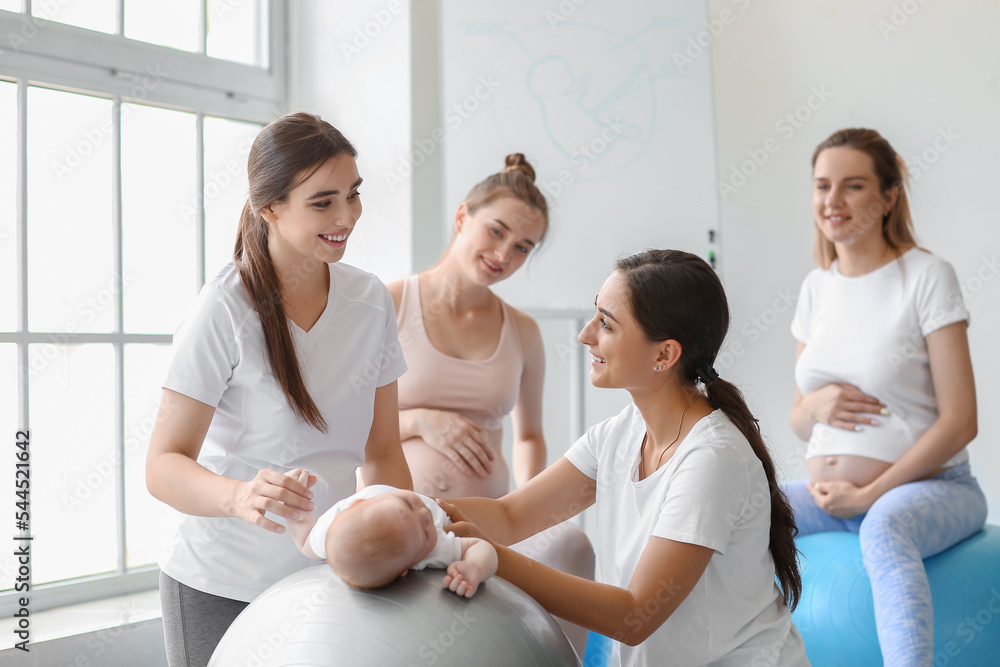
(622, 355)
(498, 237)
(848, 204)
(317, 217)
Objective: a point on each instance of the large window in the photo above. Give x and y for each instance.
(124, 131)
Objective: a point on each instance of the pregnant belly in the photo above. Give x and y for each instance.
(435, 475)
(859, 470)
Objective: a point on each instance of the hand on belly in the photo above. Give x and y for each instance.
(839, 483)
(435, 475)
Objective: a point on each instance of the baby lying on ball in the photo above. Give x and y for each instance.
(381, 532)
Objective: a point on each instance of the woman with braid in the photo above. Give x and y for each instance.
(692, 527)
(289, 360)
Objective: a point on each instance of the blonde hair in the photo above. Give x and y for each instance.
(891, 171)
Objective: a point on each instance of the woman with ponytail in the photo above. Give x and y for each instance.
(693, 528)
(473, 359)
(885, 394)
(288, 360)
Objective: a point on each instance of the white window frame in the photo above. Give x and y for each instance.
(74, 59)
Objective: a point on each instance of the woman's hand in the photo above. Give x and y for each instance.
(842, 499)
(462, 440)
(460, 525)
(270, 491)
(842, 405)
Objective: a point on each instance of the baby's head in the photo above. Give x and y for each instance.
(378, 539)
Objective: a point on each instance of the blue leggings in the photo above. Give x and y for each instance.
(907, 524)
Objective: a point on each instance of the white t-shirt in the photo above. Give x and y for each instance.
(711, 492)
(447, 550)
(869, 331)
(220, 359)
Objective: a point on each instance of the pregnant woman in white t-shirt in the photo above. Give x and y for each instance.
(885, 393)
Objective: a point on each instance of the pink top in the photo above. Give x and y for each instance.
(484, 391)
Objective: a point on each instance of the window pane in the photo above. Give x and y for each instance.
(8, 430)
(71, 403)
(232, 33)
(158, 177)
(10, 5)
(149, 523)
(173, 24)
(8, 206)
(97, 15)
(70, 242)
(227, 145)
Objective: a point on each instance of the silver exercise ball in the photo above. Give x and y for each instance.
(312, 619)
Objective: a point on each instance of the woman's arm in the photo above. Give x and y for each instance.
(802, 422)
(529, 453)
(384, 461)
(174, 475)
(409, 423)
(557, 493)
(955, 427)
(666, 574)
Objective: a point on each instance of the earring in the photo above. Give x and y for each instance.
(657, 368)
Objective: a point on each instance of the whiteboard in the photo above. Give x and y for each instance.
(610, 108)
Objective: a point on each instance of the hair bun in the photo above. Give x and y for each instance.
(516, 162)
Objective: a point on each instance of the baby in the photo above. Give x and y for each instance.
(380, 533)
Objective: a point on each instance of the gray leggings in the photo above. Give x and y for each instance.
(193, 622)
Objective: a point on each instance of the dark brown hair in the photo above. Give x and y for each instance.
(675, 295)
(285, 153)
(516, 180)
(897, 225)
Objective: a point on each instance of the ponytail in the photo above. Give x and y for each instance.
(725, 396)
(253, 262)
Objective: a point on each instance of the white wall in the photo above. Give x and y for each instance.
(938, 73)
(349, 62)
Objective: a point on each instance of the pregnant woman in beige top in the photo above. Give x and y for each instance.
(472, 359)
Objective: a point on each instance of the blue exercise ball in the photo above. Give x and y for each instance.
(311, 618)
(836, 615)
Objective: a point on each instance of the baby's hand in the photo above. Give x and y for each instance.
(303, 477)
(299, 527)
(463, 578)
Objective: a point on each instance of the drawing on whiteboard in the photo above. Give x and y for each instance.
(589, 112)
